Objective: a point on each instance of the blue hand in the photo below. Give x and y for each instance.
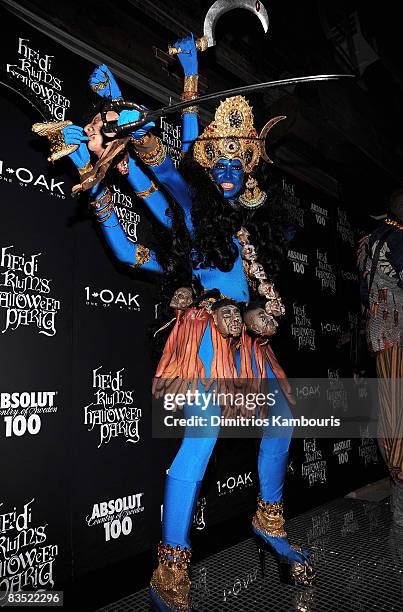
(103, 77)
(73, 134)
(129, 116)
(188, 57)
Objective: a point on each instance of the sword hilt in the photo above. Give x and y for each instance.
(201, 45)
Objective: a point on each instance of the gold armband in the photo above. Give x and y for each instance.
(150, 149)
(191, 110)
(87, 168)
(156, 156)
(147, 192)
(142, 256)
(101, 85)
(190, 87)
(103, 205)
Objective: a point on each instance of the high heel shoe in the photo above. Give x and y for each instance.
(268, 523)
(169, 588)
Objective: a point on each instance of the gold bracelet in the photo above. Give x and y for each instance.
(189, 95)
(191, 83)
(107, 216)
(147, 192)
(105, 198)
(142, 256)
(108, 208)
(192, 110)
(140, 141)
(155, 157)
(101, 85)
(85, 169)
(190, 87)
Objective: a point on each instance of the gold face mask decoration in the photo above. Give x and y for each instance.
(232, 135)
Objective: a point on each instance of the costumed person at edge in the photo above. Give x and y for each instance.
(380, 261)
(231, 252)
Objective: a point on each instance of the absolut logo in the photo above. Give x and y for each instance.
(116, 515)
(342, 451)
(301, 329)
(22, 411)
(321, 215)
(24, 295)
(25, 177)
(32, 68)
(298, 260)
(26, 559)
(112, 412)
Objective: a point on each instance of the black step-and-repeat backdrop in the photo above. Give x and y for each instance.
(81, 478)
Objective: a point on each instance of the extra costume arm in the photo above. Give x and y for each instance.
(153, 153)
(135, 255)
(148, 191)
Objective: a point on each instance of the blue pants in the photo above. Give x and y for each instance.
(187, 470)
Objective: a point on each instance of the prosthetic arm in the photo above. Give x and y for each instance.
(134, 255)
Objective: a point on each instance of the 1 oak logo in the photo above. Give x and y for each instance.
(25, 177)
(107, 297)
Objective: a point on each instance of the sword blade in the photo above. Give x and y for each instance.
(173, 108)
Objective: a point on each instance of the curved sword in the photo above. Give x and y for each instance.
(111, 127)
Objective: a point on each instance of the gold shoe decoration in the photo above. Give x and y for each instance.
(52, 130)
(170, 579)
(269, 520)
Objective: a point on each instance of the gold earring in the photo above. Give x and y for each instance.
(253, 196)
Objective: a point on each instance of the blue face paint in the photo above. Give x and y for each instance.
(229, 175)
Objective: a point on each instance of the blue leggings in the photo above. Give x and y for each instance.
(187, 470)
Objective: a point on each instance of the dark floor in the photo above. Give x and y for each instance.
(358, 556)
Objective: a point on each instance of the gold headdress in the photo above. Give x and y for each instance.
(232, 136)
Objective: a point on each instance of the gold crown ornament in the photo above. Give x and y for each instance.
(232, 135)
(53, 132)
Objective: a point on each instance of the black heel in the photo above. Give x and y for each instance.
(261, 548)
(290, 572)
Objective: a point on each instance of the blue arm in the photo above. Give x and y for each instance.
(188, 59)
(126, 251)
(152, 197)
(190, 130)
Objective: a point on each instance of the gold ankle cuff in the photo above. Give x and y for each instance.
(171, 579)
(269, 518)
